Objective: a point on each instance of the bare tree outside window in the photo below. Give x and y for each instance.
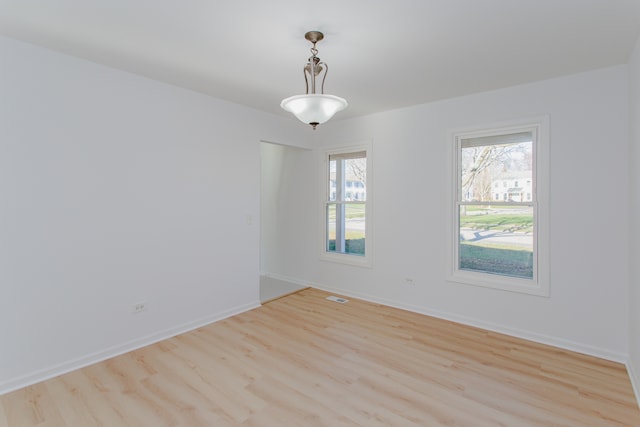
(496, 218)
(358, 169)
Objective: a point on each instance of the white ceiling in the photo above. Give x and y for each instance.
(383, 54)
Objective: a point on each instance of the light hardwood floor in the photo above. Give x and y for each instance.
(304, 361)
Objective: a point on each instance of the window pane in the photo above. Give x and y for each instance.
(497, 171)
(351, 240)
(331, 227)
(356, 178)
(497, 240)
(354, 229)
(332, 180)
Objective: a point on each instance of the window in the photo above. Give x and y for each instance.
(500, 242)
(346, 213)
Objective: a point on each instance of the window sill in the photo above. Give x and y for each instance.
(505, 283)
(355, 260)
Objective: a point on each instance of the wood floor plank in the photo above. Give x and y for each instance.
(70, 393)
(32, 406)
(304, 361)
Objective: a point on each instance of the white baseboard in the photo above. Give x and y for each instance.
(635, 381)
(494, 327)
(295, 281)
(108, 353)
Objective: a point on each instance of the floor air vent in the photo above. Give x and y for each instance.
(337, 299)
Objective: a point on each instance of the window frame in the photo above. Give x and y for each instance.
(539, 284)
(365, 260)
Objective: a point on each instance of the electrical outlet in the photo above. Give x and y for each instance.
(139, 307)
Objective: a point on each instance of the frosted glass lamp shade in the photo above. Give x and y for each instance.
(314, 109)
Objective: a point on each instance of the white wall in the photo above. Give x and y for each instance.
(272, 157)
(634, 256)
(588, 309)
(278, 201)
(114, 190)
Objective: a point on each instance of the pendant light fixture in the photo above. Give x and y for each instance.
(314, 108)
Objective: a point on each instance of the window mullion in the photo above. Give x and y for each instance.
(340, 211)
